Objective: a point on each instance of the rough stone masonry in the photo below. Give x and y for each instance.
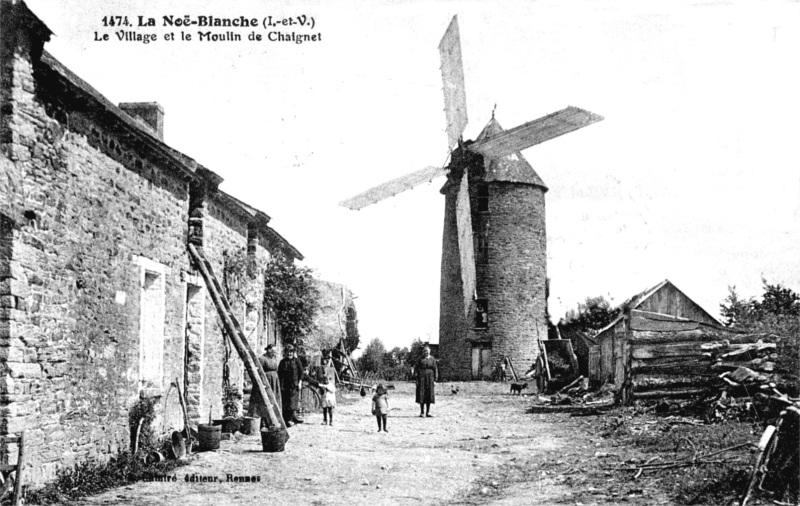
(100, 306)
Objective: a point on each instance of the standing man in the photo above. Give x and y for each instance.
(427, 374)
(290, 372)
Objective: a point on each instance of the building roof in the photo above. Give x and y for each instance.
(130, 128)
(575, 334)
(638, 300)
(511, 168)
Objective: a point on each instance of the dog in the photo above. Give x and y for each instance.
(453, 390)
(516, 388)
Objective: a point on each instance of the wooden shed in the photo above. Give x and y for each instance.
(582, 344)
(659, 346)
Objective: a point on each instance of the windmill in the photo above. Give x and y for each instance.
(495, 204)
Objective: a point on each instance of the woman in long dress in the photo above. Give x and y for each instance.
(269, 362)
(427, 374)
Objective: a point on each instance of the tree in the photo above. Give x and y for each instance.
(290, 293)
(777, 313)
(395, 357)
(735, 309)
(777, 301)
(372, 358)
(415, 353)
(591, 316)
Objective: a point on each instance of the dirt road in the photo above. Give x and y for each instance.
(481, 447)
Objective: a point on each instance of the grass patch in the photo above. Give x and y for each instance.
(92, 477)
(717, 481)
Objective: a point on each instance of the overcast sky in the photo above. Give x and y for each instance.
(694, 176)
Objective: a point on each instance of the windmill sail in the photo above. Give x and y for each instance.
(393, 187)
(465, 246)
(535, 132)
(455, 97)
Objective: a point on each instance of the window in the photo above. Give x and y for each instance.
(483, 198)
(482, 253)
(151, 324)
(482, 314)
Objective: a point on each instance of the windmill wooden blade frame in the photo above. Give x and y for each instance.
(535, 132)
(393, 187)
(455, 96)
(466, 249)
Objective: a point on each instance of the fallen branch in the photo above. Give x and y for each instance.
(694, 458)
(685, 462)
(661, 467)
(572, 384)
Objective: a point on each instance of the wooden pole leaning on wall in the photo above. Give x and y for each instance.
(20, 467)
(269, 409)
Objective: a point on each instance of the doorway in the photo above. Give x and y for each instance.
(481, 362)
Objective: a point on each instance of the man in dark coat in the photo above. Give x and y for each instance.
(290, 372)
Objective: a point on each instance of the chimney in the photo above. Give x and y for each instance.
(151, 115)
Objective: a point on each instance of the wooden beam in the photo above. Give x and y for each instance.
(672, 393)
(234, 333)
(646, 382)
(643, 323)
(680, 349)
(20, 467)
(670, 366)
(185, 416)
(658, 316)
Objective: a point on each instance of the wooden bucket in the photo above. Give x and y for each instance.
(251, 425)
(273, 441)
(229, 425)
(209, 436)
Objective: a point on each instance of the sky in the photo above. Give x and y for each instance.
(693, 176)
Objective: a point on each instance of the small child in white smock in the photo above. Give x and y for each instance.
(328, 399)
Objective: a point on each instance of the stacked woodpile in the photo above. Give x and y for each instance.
(649, 355)
(689, 368)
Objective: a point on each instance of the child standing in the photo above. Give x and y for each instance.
(328, 399)
(380, 406)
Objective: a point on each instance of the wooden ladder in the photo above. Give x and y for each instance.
(270, 410)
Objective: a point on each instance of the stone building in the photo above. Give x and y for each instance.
(100, 306)
(335, 318)
(508, 222)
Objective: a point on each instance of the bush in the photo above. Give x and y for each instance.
(396, 373)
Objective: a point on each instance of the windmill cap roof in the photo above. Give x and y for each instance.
(511, 168)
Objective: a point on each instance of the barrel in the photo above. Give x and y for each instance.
(273, 440)
(251, 425)
(209, 436)
(229, 425)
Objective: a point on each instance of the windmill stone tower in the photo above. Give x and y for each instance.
(507, 315)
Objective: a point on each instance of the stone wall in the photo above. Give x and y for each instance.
(93, 233)
(511, 273)
(70, 287)
(515, 275)
(330, 320)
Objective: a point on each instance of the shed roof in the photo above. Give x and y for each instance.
(639, 300)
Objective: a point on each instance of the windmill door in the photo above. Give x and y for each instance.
(481, 363)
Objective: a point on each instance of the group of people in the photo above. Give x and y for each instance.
(284, 380)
